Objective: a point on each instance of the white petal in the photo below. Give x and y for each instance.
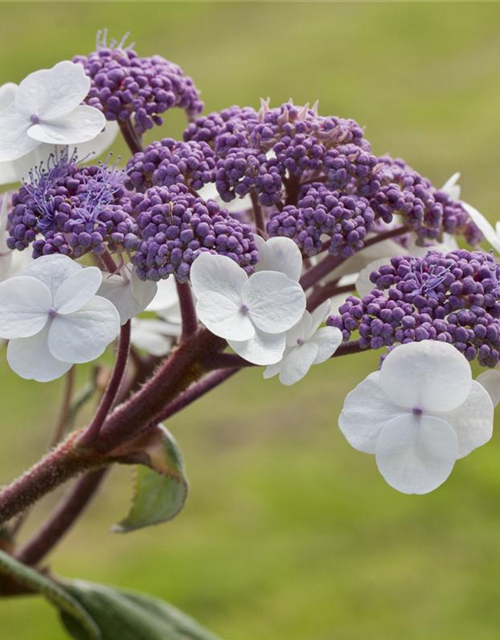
(99, 144)
(472, 421)
(451, 186)
(130, 295)
(319, 315)
(484, 226)
(428, 375)
(297, 363)
(31, 359)
(14, 140)
(299, 331)
(52, 270)
(24, 306)
(364, 285)
(151, 336)
(274, 301)
(366, 410)
(77, 290)
(273, 369)
(416, 454)
(223, 317)
(7, 95)
(84, 335)
(490, 380)
(166, 296)
(82, 124)
(279, 254)
(53, 93)
(211, 272)
(263, 348)
(328, 340)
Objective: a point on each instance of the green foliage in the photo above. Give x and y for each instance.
(52, 592)
(160, 489)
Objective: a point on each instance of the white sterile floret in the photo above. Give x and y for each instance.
(166, 301)
(53, 318)
(418, 415)
(279, 254)
(490, 379)
(491, 234)
(129, 295)
(46, 108)
(251, 313)
(154, 336)
(306, 344)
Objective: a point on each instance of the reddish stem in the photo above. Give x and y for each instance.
(328, 291)
(260, 221)
(112, 390)
(131, 136)
(61, 520)
(188, 311)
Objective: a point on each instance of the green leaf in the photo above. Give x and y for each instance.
(160, 483)
(52, 591)
(125, 615)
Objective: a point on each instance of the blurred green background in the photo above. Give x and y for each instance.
(289, 534)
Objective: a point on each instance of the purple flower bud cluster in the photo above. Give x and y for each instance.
(72, 210)
(344, 218)
(453, 298)
(125, 85)
(169, 162)
(175, 227)
(424, 209)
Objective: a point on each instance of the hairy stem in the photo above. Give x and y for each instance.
(61, 520)
(113, 388)
(329, 290)
(188, 312)
(131, 136)
(320, 270)
(64, 413)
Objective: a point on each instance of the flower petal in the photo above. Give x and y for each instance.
(211, 272)
(273, 369)
(152, 336)
(7, 95)
(279, 254)
(299, 331)
(77, 290)
(166, 296)
(297, 363)
(31, 359)
(484, 226)
(415, 454)
(223, 317)
(366, 410)
(96, 146)
(274, 301)
(429, 375)
(328, 340)
(52, 270)
(84, 335)
(319, 315)
(24, 306)
(53, 93)
(472, 421)
(82, 124)
(490, 380)
(130, 295)
(262, 349)
(451, 186)
(14, 140)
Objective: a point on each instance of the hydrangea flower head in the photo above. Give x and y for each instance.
(418, 415)
(53, 318)
(451, 298)
(68, 209)
(175, 227)
(125, 85)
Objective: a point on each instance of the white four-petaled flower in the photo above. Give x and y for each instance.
(47, 108)
(128, 294)
(306, 344)
(418, 415)
(53, 318)
(251, 313)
